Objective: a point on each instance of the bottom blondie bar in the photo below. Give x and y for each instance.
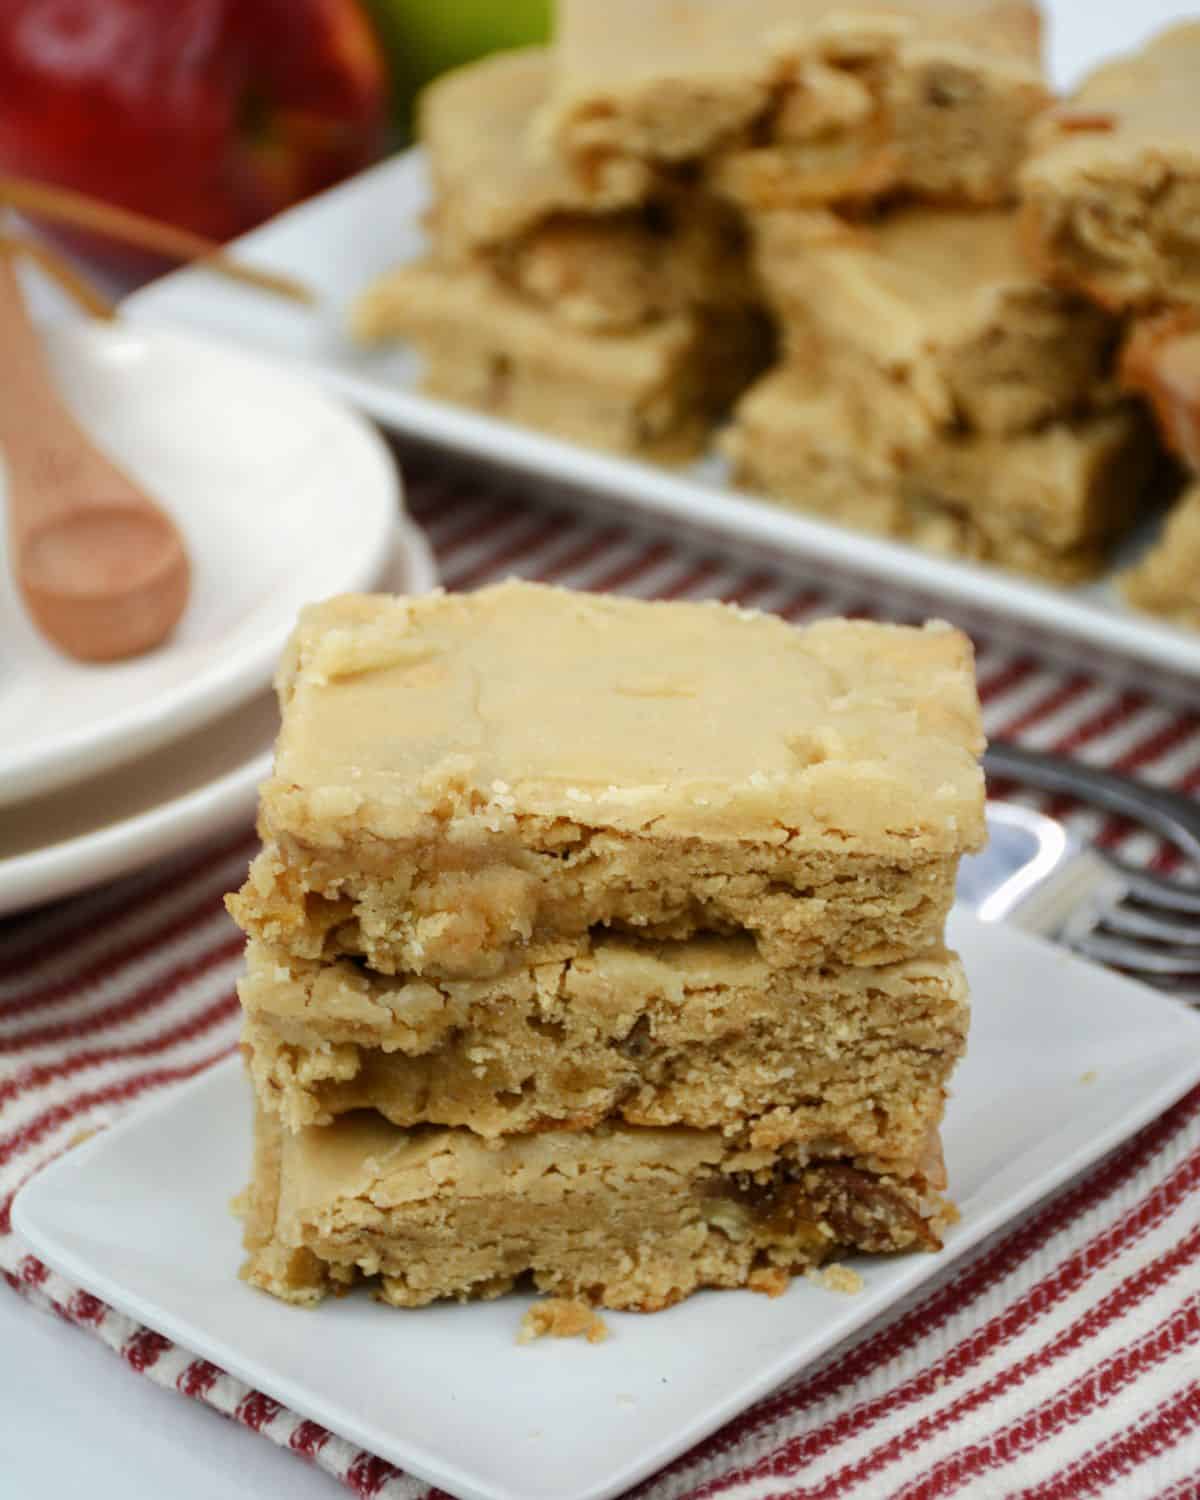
(653, 391)
(1047, 502)
(1167, 579)
(623, 1216)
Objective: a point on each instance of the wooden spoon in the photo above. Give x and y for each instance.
(101, 567)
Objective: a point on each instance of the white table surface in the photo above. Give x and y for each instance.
(74, 1418)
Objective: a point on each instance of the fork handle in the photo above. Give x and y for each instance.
(1169, 814)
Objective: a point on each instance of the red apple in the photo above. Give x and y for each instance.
(209, 114)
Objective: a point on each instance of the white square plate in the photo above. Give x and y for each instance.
(1065, 1060)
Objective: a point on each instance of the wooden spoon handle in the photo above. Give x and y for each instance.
(101, 567)
(51, 465)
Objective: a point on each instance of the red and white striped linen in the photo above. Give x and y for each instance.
(1061, 1359)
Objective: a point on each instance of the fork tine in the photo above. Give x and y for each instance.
(1155, 891)
(1129, 953)
(1181, 987)
(1129, 922)
(1170, 814)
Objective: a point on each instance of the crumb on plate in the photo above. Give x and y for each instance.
(771, 1281)
(835, 1278)
(562, 1318)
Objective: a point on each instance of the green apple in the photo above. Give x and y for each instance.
(426, 37)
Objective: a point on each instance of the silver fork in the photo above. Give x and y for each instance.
(1081, 897)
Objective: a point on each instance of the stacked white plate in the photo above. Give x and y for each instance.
(284, 496)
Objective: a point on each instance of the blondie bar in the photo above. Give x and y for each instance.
(601, 261)
(796, 436)
(792, 102)
(936, 308)
(1167, 579)
(699, 1033)
(459, 777)
(623, 1217)
(1048, 502)
(1111, 195)
(652, 392)
(490, 188)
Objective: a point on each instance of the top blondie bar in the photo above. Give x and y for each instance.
(1111, 196)
(460, 777)
(634, 247)
(796, 102)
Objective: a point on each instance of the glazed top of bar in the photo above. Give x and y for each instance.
(492, 186)
(463, 716)
(632, 74)
(1137, 113)
(917, 280)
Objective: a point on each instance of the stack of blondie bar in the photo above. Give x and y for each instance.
(935, 388)
(602, 941)
(617, 310)
(627, 226)
(934, 385)
(592, 203)
(1111, 209)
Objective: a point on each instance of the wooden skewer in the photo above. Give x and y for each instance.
(59, 269)
(81, 212)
